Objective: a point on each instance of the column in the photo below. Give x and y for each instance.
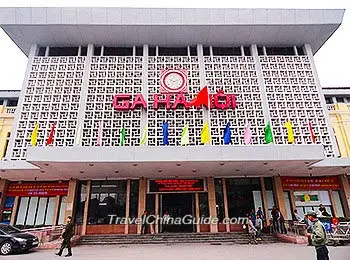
(279, 195)
(3, 190)
(86, 207)
(14, 210)
(224, 192)
(142, 200)
(198, 226)
(57, 210)
(127, 207)
(156, 205)
(334, 208)
(264, 199)
(345, 194)
(212, 204)
(72, 188)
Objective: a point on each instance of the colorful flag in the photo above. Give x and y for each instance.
(99, 134)
(144, 136)
(289, 127)
(202, 98)
(122, 136)
(78, 136)
(248, 139)
(165, 133)
(313, 137)
(227, 134)
(268, 133)
(50, 139)
(34, 135)
(205, 134)
(185, 135)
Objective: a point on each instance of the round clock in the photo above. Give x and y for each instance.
(173, 81)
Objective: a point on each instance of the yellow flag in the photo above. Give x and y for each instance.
(34, 136)
(144, 135)
(185, 135)
(205, 134)
(289, 127)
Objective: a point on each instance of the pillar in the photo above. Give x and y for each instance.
(212, 205)
(14, 210)
(127, 207)
(86, 207)
(279, 195)
(334, 208)
(142, 200)
(72, 189)
(3, 190)
(224, 192)
(264, 199)
(345, 194)
(198, 226)
(57, 211)
(156, 205)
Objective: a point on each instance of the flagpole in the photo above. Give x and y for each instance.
(209, 115)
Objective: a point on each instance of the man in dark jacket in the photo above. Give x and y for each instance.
(67, 235)
(318, 236)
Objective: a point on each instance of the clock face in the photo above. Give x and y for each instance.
(173, 81)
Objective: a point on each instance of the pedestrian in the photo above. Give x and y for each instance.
(261, 213)
(165, 222)
(252, 214)
(252, 231)
(67, 235)
(322, 211)
(144, 225)
(318, 236)
(259, 226)
(281, 222)
(274, 215)
(296, 217)
(308, 229)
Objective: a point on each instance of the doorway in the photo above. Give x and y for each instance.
(177, 205)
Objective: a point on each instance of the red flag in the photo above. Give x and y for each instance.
(201, 98)
(313, 137)
(50, 139)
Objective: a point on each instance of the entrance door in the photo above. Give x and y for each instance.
(179, 206)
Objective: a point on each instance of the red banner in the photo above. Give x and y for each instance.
(314, 183)
(37, 189)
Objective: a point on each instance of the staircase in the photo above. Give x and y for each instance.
(174, 238)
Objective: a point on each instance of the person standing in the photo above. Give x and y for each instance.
(296, 217)
(281, 222)
(144, 226)
(275, 215)
(252, 230)
(261, 213)
(318, 236)
(67, 235)
(258, 226)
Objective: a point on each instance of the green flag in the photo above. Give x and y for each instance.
(144, 135)
(268, 133)
(122, 137)
(185, 135)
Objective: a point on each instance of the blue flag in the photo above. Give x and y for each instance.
(227, 134)
(165, 133)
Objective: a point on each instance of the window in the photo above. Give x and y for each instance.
(227, 51)
(42, 51)
(219, 199)
(35, 211)
(280, 51)
(108, 198)
(206, 51)
(134, 198)
(152, 51)
(97, 51)
(310, 200)
(300, 51)
(240, 195)
(63, 51)
(193, 51)
(117, 51)
(80, 202)
(139, 51)
(172, 51)
(12, 103)
(260, 51)
(340, 99)
(247, 51)
(329, 100)
(63, 205)
(83, 51)
(203, 204)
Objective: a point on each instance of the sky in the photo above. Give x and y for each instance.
(332, 60)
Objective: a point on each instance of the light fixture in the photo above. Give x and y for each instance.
(222, 164)
(194, 170)
(344, 167)
(3, 170)
(160, 170)
(81, 171)
(270, 170)
(306, 162)
(178, 164)
(265, 163)
(135, 164)
(46, 164)
(42, 171)
(237, 170)
(310, 168)
(35, 178)
(116, 171)
(91, 164)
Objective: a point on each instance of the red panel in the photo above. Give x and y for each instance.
(314, 183)
(37, 189)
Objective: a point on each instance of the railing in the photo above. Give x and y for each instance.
(46, 234)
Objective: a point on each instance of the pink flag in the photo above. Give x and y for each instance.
(99, 136)
(247, 135)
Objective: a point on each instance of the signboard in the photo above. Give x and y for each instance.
(307, 198)
(37, 189)
(318, 183)
(176, 185)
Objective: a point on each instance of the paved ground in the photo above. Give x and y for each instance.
(190, 252)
